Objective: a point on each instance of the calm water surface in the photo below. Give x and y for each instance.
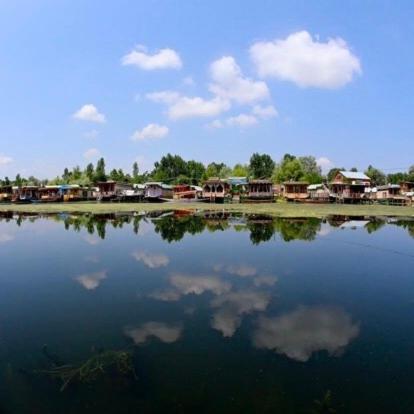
(179, 313)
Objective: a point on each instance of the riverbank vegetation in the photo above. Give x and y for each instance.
(173, 169)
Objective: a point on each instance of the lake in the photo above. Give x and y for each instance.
(214, 313)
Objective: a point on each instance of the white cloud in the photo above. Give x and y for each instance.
(264, 112)
(163, 59)
(242, 121)
(91, 153)
(306, 330)
(91, 281)
(151, 131)
(6, 237)
(325, 163)
(162, 331)
(191, 107)
(151, 260)
(305, 61)
(91, 134)
(216, 124)
(90, 113)
(165, 97)
(233, 305)
(188, 81)
(229, 82)
(4, 160)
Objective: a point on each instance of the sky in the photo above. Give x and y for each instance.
(208, 80)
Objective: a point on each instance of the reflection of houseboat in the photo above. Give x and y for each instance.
(50, 193)
(295, 190)
(187, 192)
(260, 190)
(111, 190)
(6, 193)
(350, 187)
(215, 189)
(157, 191)
(318, 193)
(26, 194)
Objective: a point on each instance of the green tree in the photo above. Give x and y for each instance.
(240, 170)
(195, 171)
(376, 175)
(90, 171)
(312, 171)
(135, 172)
(100, 174)
(289, 169)
(261, 165)
(214, 170)
(18, 180)
(169, 168)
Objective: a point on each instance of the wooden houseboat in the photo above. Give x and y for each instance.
(350, 187)
(318, 193)
(50, 193)
(157, 191)
(112, 190)
(187, 192)
(295, 190)
(6, 193)
(260, 190)
(406, 187)
(216, 190)
(26, 194)
(136, 193)
(75, 192)
(391, 194)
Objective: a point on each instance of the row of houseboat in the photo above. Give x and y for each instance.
(346, 187)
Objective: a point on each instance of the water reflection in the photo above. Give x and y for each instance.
(91, 281)
(300, 333)
(151, 260)
(159, 330)
(173, 226)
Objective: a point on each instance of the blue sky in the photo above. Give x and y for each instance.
(329, 78)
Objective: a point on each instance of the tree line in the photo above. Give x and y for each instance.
(173, 169)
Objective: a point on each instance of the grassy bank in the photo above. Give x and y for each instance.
(277, 209)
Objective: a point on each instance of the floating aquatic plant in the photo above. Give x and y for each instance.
(96, 367)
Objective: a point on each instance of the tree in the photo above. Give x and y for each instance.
(89, 171)
(289, 169)
(376, 175)
(214, 170)
(312, 171)
(261, 165)
(135, 171)
(169, 168)
(240, 170)
(18, 180)
(195, 171)
(100, 174)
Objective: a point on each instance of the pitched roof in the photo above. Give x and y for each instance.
(354, 175)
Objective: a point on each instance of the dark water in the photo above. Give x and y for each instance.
(215, 314)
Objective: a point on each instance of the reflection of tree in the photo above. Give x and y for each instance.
(260, 231)
(406, 224)
(375, 224)
(298, 229)
(173, 229)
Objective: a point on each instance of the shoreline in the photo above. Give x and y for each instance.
(272, 209)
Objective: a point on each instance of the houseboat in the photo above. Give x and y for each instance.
(238, 187)
(112, 190)
(350, 187)
(216, 190)
(295, 190)
(406, 187)
(6, 193)
(318, 193)
(26, 194)
(391, 194)
(75, 192)
(187, 192)
(50, 194)
(260, 190)
(157, 191)
(136, 193)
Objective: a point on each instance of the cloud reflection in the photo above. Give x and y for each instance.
(6, 237)
(233, 305)
(162, 331)
(91, 281)
(306, 330)
(151, 260)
